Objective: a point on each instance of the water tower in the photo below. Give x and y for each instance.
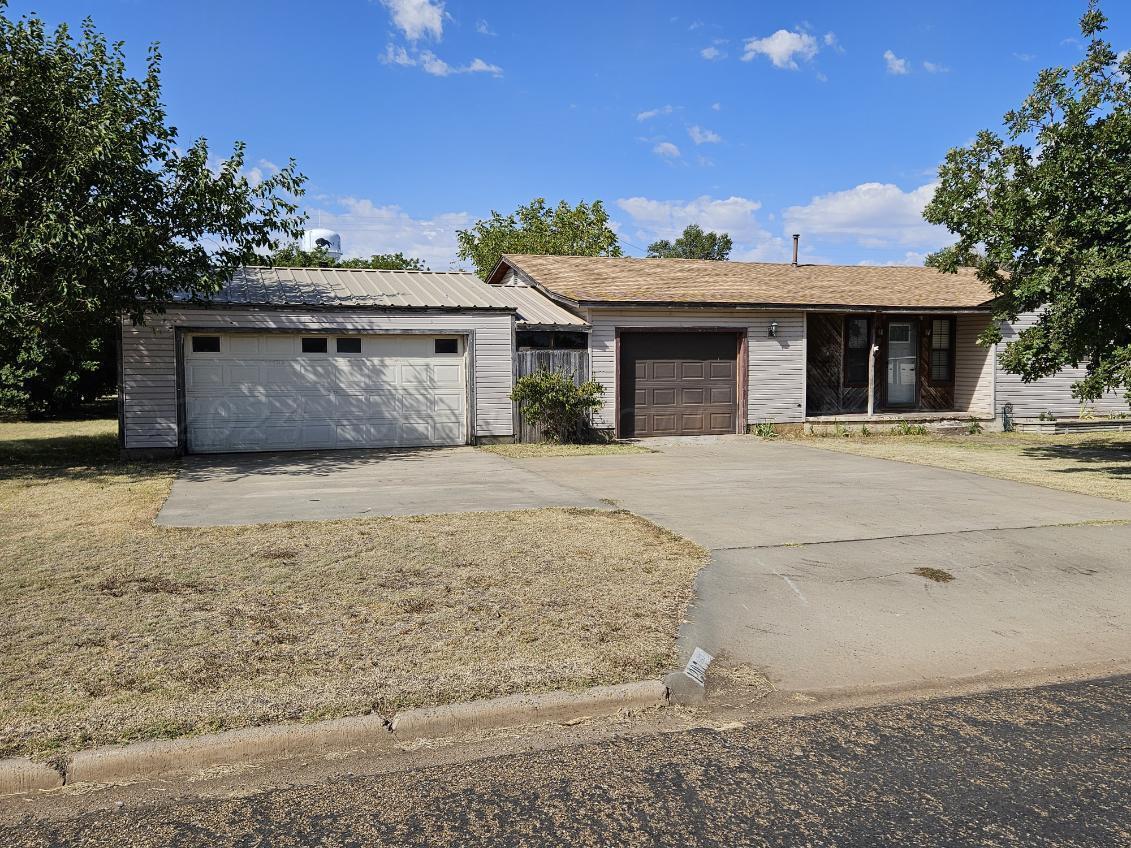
(328, 240)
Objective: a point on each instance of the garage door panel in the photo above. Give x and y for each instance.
(204, 375)
(678, 383)
(398, 391)
(239, 345)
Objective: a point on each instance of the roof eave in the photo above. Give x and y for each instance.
(762, 306)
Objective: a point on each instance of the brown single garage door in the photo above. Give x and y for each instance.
(678, 384)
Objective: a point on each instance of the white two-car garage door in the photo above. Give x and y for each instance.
(284, 391)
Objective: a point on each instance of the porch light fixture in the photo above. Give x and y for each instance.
(773, 329)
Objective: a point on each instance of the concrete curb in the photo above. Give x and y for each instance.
(276, 741)
(158, 758)
(20, 775)
(527, 709)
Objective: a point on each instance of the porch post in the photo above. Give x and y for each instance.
(872, 365)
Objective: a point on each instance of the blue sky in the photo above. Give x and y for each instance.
(412, 118)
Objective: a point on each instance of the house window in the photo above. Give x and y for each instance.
(447, 345)
(349, 345)
(314, 344)
(205, 344)
(942, 350)
(857, 348)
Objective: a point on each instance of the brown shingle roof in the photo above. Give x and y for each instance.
(601, 279)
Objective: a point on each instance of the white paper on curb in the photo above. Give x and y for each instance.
(697, 666)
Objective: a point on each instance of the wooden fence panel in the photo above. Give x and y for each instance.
(575, 363)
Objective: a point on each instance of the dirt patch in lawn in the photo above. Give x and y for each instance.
(1093, 464)
(534, 451)
(116, 629)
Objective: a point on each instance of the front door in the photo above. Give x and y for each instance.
(903, 357)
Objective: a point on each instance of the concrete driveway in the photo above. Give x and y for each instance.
(304, 486)
(812, 580)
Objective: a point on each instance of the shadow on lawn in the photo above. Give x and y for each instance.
(1105, 456)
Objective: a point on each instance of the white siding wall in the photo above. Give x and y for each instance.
(973, 366)
(1051, 394)
(777, 365)
(149, 365)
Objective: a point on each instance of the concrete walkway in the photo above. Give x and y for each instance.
(306, 486)
(812, 578)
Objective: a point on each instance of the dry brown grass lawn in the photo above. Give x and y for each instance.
(533, 451)
(1091, 464)
(115, 629)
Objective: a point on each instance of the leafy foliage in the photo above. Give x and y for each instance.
(1044, 215)
(559, 405)
(102, 213)
(693, 244)
(563, 230)
(293, 256)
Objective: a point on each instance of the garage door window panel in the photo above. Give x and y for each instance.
(314, 344)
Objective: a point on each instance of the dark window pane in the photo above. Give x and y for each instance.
(352, 345)
(447, 345)
(857, 348)
(942, 340)
(315, 344)
(205, 344)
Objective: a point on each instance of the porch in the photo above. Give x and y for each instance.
(895, 365)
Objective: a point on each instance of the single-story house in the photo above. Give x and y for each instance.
(298, 358)
(701, 347)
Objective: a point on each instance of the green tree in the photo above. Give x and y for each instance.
(386, 262)
(1044, 215)
(102, 213)
(563, 230)
(293, 256)
(693, 244)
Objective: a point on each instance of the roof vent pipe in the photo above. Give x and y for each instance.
(796, 239)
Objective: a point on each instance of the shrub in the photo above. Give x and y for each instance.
(560, 406)
(974, 427)
(765, 430)
(906, 428)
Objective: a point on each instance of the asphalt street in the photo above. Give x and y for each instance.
(1044, 766)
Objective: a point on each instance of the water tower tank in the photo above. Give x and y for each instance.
(328, 240)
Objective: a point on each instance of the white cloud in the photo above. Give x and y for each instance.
(368, 228)
(703, 136)
(935, 68)
(712, 53)
(652, 113)
(873, 215)
(666, 150)
(911, 257)
(666, 219)
(783, 48)
(484, 28)
(896, 65)
(417, 18)
(432, 64)
(832, 42)
(1024, 57)
(717, 106)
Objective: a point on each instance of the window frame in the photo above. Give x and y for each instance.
(845, 382)
(436, 345)
(951, 351)
(338, 345)
(219, 342)
(304, 339)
